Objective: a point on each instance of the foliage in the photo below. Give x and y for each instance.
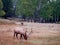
(45, 8)
(1, 11)
(51, 10)
(1, 5)
(47, 11)
(8, 7)
(26, 7)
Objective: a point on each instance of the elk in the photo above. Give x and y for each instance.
(22, 31)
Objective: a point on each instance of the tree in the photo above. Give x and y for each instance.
(8, 7)
(26, 7)
(46, 12)
(56, 10)
(1, 11)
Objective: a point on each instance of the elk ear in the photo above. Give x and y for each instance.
(31, 30)
(25, 29)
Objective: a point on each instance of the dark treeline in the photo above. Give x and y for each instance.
(43, 11)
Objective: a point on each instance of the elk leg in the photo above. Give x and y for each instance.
(17, 35)
(21, 36)
(14, 34)
(25, 37)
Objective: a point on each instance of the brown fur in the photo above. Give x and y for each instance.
(24, 35)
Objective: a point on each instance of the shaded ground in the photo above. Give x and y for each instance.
(43, 34)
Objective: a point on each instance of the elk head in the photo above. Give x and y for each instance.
(26, 35)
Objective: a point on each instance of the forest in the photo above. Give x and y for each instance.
(42, 11)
